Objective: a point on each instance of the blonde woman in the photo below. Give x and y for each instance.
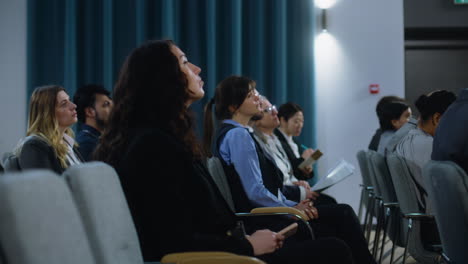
(49, 143)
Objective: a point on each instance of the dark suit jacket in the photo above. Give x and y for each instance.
(36, 153)
(174, 201)
(87, 139)
(451, 139)
(300, 175)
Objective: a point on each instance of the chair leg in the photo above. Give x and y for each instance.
(378, 228)
(385, 223)
(410, 227)
(361, 202)
(370, 211)
(369, 201)
(396, 236)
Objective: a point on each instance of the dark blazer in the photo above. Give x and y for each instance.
(451, 140)
(174, 201)
(36, 153)
(300, 175)
(87, 139)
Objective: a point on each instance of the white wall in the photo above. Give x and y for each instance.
(364, 46)
(12, 72)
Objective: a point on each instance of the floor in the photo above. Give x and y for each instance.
(397, 259)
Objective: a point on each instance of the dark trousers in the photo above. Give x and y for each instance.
(340, 221)
(319, 251)
(324, 199)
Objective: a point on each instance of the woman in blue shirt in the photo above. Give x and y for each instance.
(254, 181)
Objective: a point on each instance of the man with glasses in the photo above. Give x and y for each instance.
(293, 189)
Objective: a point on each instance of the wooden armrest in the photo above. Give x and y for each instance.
(236, 259)
(289, 210)
(176, 257)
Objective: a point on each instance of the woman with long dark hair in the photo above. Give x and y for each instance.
(174, 201)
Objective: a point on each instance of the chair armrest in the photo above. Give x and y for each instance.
(289, 210)
(275, 211)
(222, 259)
(418, 216)
(391, 204)
(366, 187)
(176, 257)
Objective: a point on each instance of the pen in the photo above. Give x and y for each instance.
(304, 146)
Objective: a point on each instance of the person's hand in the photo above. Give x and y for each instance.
(303, 184)
(265, 241)
(307, 170)
(306, 153)
(308, 208)
(312, 195)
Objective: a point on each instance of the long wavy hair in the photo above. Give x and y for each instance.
(151, 91)
(43, 122)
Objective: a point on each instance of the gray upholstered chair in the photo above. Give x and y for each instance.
(10, 162)
(40, 223)
(406, 195)
(447, 187)
(107, 220)
(216, 170)
(367, 191)
(391, 221)
(99, 197)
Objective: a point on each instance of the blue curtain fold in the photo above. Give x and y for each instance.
(76, 42)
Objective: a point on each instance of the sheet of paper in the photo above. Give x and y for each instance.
(340, 171)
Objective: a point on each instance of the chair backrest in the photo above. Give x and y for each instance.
(10, 162)
(217, 172)
(386, 189)
(382, 177)
(405, 190)
(364, 167)
(404, 186)
(99, 197)
(447, 186)
(39, 221)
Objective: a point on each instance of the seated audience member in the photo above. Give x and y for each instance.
(293, 189)
(374, 143)
(392, 117)
(174, 201)
(49, 143)
(400, 134)
(416, 146)
(93, 107)
(291, 119)
(451, 138)
(254, 179)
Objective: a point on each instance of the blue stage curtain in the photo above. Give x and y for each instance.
(76, 42)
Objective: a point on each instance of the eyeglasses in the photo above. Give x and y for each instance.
(270, 109)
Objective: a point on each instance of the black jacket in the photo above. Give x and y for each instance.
(300, 175)
(36, 153)
(174, 201)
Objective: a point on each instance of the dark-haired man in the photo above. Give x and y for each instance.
(93, 107)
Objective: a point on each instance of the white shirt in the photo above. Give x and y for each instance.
(71, 157)
(291, 143)
(272, 145)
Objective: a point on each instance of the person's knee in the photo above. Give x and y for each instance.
(346, 210)
(340, 251)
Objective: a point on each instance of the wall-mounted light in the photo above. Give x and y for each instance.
(324, 20)
(324, 5)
